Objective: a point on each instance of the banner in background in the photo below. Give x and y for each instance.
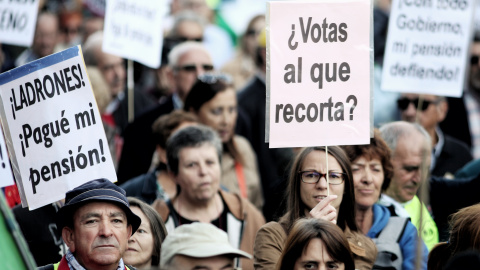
(17, 21)
(133, 30)
(427, 46)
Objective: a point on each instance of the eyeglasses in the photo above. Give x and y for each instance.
(474, 60)
(312, 177)
(404, 102)
(252, 32)
(211, 78)
(183, 39)
(192, 68)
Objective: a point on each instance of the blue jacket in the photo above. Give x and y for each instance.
(408, 242)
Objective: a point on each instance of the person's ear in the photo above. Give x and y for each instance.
(442, 109)
(69, 238)
(129, 229)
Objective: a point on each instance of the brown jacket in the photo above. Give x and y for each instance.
(271, 239)
(249, 220)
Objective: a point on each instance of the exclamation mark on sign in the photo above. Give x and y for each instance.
(1, 157)
(101, 150)
(81, 74)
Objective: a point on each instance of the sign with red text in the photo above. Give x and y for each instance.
(427, 46)
(133, 30)
(17, 21)
(6, 176)
(53, 129)
(319, 72)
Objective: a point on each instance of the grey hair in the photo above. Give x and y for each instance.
(192, 136)
(392, 132)
(182, 48)
(187, 16)
(90, 48)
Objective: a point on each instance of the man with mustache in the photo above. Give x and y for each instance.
(411, 149)
(96, 223)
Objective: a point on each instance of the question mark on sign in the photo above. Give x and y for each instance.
(354, 98)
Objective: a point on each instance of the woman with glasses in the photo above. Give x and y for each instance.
(309, 195)
(372, 171)
(213, 99)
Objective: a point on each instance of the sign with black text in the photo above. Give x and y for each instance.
(17, 21)
(319, 72)
(53, 129)
(133, 30)
(427, 46)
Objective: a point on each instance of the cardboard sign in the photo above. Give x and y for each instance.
(318, 72)
(53, 129)
(427, 46)
(133, 30)
(6, 176)
(17, 21)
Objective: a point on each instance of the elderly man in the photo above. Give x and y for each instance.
(411, 148)
(186, 61)
(113, 71)
(96, 223)
(448, 153)
(44, 41)
(199, 246)
(193, 157)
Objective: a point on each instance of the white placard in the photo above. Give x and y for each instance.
(6, 176)
(53, 129)
(17, 21)
(133, 30)
(427, 46)
(318, 75)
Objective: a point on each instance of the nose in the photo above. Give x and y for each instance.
(200, 70)
(105, 228)
(367, 176)
(410, 111)
(322, 182)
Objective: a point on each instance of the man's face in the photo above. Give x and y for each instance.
(99, 236)
(199, 172)
(475, 68)
(113, 71)
(46, 35)
(190, 65)
(210, 263)
(429, 118)
(189, 30)
(407, 162)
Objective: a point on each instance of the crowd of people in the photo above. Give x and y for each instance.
(199, 188)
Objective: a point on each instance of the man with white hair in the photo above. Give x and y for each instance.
(186, 62)
(411, 149)
(199, 246)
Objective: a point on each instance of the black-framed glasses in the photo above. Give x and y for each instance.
(211, 78)
(404, 102)
(192, 68)
(312, 177)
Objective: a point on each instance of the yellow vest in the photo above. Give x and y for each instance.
(429, 228)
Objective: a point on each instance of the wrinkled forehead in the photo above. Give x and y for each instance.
(412, 146)
(415, 96)
(98, 208)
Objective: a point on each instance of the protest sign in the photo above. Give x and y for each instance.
(133, 30)
(427, 46)
(53, 129)
(6, 177)
(17, 21)
(318, 73)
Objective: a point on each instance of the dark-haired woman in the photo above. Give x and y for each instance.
(213, 99)
(308, 196)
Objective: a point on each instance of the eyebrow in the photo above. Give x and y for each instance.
(98, 215)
